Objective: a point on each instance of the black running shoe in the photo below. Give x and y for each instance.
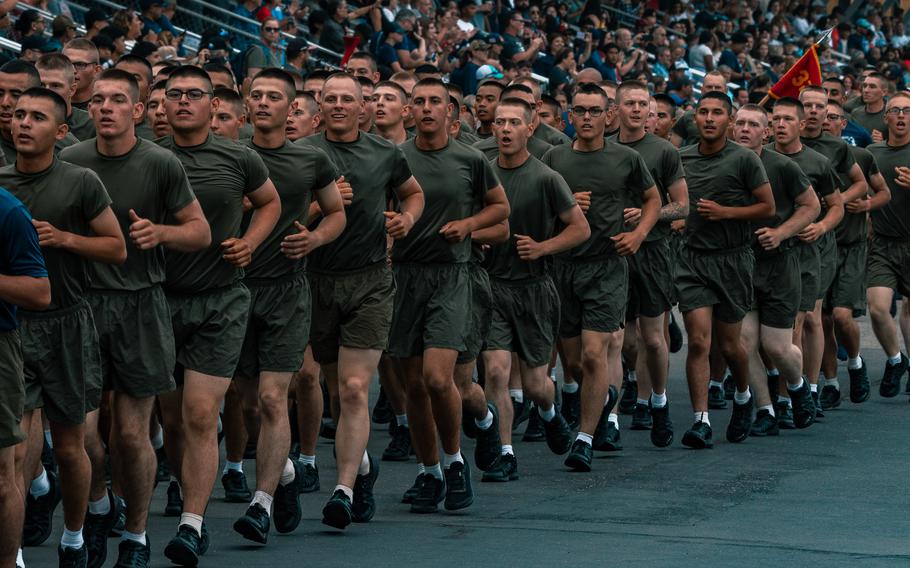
(579, 459)
(185, 548)
(249, 453)
(740, 421)
(860, 389)
(520, 412)
(309, 478)
(557, 434)
(891, 379)
(765, 424)
(629, 397)
(337, 512)
(467, 426)
(411, 492)
(603, 439)
(729, 387)
(676, 336)
(48, 460)
(641, 417)
(459, 492)
(488, 445)
(120, 525)
(382, 411)
(662, 427)
(174, 506)
(571, 407)
(163, 471)
(819, 413)
(39, 513)
(504, 469)
(73, 557)
(364, 505)
(132, 554)
(784, 416)
(612, 441)
(430, 493)
(328, 428)
(716, 398)
(96, 530)
(804, 408)
(699, 436)
(399, 448)
(254, 524)
(534, 432)
(773, 385)
(287, 510)
(829, 397)
(235, 488)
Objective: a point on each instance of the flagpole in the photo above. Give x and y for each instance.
(825, 35)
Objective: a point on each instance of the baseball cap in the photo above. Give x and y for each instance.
(295, 47)
(144, 48)
(94, 15)
(864, 23)
(738, 37)
(146, 4)
(494, 39)
(33, 42)
(478, 45)
(487, 72)
(61, 24)
(681, 65)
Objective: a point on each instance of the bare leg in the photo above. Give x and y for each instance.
(499, 366)
(354, 372)
(202, 396)
(75, 471)
(882, 323)
(309, 404)
(12, 507)
(133, 456)
(698, 329)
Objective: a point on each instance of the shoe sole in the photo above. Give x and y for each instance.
(738, 438)
(608, 447)
(861, 398)
(335, 517)
(577, 464)
(756, 434)
(889, 391)
(696, 443)
(181, 555)
(486, 479)
(640, 426)
(662, 443)
(248, 531)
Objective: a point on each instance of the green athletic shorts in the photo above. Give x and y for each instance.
(722, 279)
(209, 327)
(650, 281)
(62, 363)
(810, 275)
(849, 287)
(481, 314)
(351, 309)
(889, 265)
(278, 326)
(827, 258)
(776, 288)
(136, 340)
(592, 294)
(525, 319)
(12, 389)
(432, 308)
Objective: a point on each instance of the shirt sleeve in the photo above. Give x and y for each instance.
(401, 171)
(753, 171)
(177, 191)
(561, 197)
(19, 245)
(95, 198)
(672, 167)
(797, 181)
(255, 170)
(326, 172)
(639, 179)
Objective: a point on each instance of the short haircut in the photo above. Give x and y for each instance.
(515, 88)
(368, 57)
(141, 61)
(790, 102)
(281, 75)
(630, 86)
(319, 75)
(364, 81)
(48, 95)
(82, 44)
(752, 107)
(431, 82)
(836, 104)
(219, 68)
(899, 95)
(191, 72)
(402, 94)
(338, 75)
(308, 101)
(20, 67)
(716, 95)
(403, 76)
(456, 109)
(527, 111)
(230, 97)
(455, 90)
(166, 71)
(57, 62)
(717, 74)
(663, 98)
(491, 83)
(812, 89)
(837, 80)
(547, 100)
(162, 84)
(592, 89)
(123, 77)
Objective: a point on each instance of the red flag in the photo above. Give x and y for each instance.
(807, 71)
(350, 45)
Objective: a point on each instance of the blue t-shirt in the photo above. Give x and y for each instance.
(386, 55)
(20, 253)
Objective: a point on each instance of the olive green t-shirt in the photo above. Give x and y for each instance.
(149, 180)
(490, 147)
(871, 120)
(819, 171)
(537, 196)
(81, 124)
(374, 167)
(550, 135)
(727, 177)
(464, 136)
(893, 220)
(615, 175)
(854, 228)
(143, 130)
(221, 172)
(9, 150)
(788, 182)
(838, 153)
(454, 180)
(662, 159)
(68, 197)
(685, 128)
(297, 170)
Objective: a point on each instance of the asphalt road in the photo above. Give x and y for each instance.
(832, 495)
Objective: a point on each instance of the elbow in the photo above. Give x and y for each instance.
(41, 296)
(584, 232)
(120, 254)
(205, 236)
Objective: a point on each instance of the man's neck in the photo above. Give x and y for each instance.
(433, 141)
(393, 133)
(35, 164)
(191, 138)
(876, 107)
(116, 145)
(792, 147)
(269, 139)
(512, 161)
(485, 127)
(627, 135)
(596, 143)
(897, 141)
(712, 147)
(347, 136)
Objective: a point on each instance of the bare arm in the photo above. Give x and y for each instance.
(191, 233)
(629, 242)
(881, 195)
(807, 209)
(576, 231)
(763, 208)
(410, 194)
(858, 188)
(105, 245)
(266, 210)
(832, 218)
(678, 207)
(498, 233)
(303, 242)
(496, 209)
(26, 292)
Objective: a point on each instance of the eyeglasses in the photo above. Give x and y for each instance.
(82, 65)
(834, 117)
(894, 111)
(271, 29)
(191, 94)
(593, 111)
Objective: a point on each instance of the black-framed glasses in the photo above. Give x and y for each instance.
(834, 117)
(898, 110)
(82, 66)
(581, 111)
(271, 29)
(191, 94)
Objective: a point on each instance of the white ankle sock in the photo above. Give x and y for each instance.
(435, 470)
(486, 422)
(20, 562)
(570, 388)
(157, 444)
(702, 417)
(813, 387)
(586, 438)
(71, 539)
(137, 537)
(264, 499)
(307, 460)
(773, 372)
(41, 485)
(346, 490)
(547, 415)
(287, 474)
(421, 469)
(364, 464)
(769, 408)
(100, 507)
(614, 419)
(742, 397)
(401, 419)
(517, 395)
(232, 466)
(449, 459)
(895, 359)
(832, 383)
(633, 376)
(641, 401)
(507, 449)
(48, 439)
(658, 400)
(792, 388)
(192, 520)
(856, 362)
(713, 383)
